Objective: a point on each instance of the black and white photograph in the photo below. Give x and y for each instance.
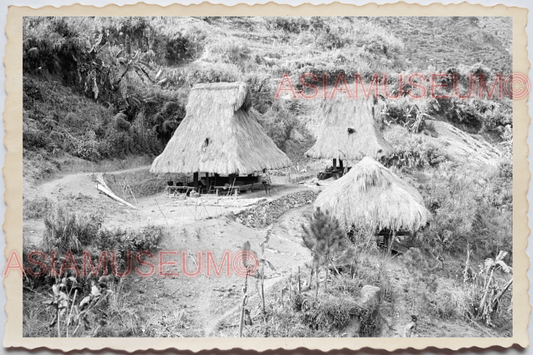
(268, 177)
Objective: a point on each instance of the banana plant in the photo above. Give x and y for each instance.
(489, 300)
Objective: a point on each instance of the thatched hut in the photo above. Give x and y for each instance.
(220, 135)
(349, 131)
(370, 195)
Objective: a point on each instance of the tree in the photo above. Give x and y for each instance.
(323, 237)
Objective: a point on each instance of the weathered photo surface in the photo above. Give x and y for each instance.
(268, 177)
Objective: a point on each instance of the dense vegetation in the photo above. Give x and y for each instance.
(99, 88)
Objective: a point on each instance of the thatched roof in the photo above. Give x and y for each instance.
(371, 195)
(349, 131)
(220, 134)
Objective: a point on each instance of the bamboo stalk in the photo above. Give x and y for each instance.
(58, 321)
(243, 304)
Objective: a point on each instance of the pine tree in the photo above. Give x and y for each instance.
(323, 237)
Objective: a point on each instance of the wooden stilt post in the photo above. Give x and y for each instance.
(391, 240)
(195, 180)
(244, 297)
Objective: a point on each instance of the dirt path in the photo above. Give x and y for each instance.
(284, 250)
(71, 184)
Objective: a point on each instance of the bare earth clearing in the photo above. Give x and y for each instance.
(192, 228)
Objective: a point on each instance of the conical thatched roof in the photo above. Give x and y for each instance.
(220, 134)
(371, 195)
(349, 132)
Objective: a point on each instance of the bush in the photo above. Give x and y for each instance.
(414, 154)
(36, 208)
(35, 140)
(87, 147)
(178, 50)
(76, 233)
(225, 50)
(291, 24)
(453, 300)
(472, 208)
(333, 313)
(279, 123)
(411, 151)
(66, 231)
(294, 314)
(213, 73)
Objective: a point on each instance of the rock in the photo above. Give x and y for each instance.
(352, 329)
(369, 296)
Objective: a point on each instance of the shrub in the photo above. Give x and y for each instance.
(178, 50)
(416, 155)
(453, 300)
(292, 24)
(294, 314)
(86, 147)
(35, 139)
(225, 50)
(66, 231)
(279, 123)
(147, 238)
(212, 73)
(36, 208)
(335, 313)
(471, 207)
(69, 232)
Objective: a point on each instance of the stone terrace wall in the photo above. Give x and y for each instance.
(267, 213)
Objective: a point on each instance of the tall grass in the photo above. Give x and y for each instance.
(66, 231)
(98, 304)
(36, 208)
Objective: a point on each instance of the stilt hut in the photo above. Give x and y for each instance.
(349, 131)
(219, 137)
(372, 196)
